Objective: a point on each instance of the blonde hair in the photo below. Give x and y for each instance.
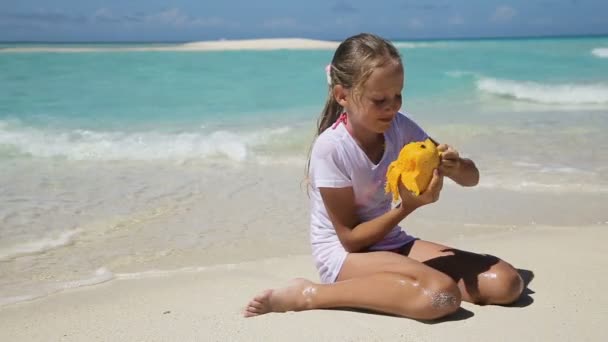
(354, 61)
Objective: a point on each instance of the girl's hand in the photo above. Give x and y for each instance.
(450, 160)
(430, 195)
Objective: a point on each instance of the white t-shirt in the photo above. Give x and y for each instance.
(338, 161)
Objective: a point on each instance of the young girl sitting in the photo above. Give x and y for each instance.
(364, 258)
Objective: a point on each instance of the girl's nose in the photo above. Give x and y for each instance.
(394, 106)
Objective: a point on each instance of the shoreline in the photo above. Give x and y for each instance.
(213, 45)
(209, 233)
(565, 305)
(395, 39)
(255, 44)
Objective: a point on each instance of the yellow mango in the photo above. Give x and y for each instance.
(414, 167)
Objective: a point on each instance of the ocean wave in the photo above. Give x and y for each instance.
(541, 187)
(100, 276)
(40, 246)
(562, 94)
(461, 73)
(160, 273)
(416, 45)
(170, 273)
(92, 145)
(600, 52)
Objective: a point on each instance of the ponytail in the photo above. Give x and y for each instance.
(330, 113)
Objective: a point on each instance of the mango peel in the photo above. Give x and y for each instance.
(414, 167)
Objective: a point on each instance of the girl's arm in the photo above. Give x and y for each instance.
(357, 236)
(461, 170)
(465, 174)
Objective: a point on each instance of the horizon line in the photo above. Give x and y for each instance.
(515, 37)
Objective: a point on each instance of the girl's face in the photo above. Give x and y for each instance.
(379, 100)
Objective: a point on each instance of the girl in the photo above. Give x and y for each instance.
(365, 260)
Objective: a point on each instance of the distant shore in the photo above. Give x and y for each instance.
(215, 45)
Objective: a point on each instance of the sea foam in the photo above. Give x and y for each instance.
(600, 52)
(112, 145)
(39, 246)
(563, 94)
(101, 275)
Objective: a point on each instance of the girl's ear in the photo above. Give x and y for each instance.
(340, 94)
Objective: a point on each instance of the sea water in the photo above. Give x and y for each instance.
(114, 160)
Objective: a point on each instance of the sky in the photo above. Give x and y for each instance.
(191, 20)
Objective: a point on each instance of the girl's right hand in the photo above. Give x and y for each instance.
(430, 195)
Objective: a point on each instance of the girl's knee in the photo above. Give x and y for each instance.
(442, 296)
(505, 284)
(438, 296)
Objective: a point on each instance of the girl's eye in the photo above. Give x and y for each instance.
(378, 101)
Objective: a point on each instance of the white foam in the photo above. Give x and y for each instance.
(566, 170)
(165, 273)
(526, 164)
(600, 52)
(563, 94)
(281, 160)
(17, 299)
(460, 73)
(170, 273)
(91, 145)
(100, 276)
(416, 45)
(40, 246)
(532, 186)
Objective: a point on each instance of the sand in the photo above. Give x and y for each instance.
(218, 45)
(565, 301)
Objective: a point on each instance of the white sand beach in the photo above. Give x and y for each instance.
(556, 239)
(565, 301)
(216, 45)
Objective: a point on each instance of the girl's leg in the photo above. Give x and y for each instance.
(381, 281)
(482, 279)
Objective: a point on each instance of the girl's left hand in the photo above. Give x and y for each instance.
(450, 160)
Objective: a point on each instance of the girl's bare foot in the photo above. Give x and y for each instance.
(296, 296)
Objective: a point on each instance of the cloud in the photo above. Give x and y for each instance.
(280, 23)
(456, 19)
(43, 16)
(416, 6)
(172, 17)
(104, 15)
(343, 7)
(542, 22)
(503, 14)
(177, 18)
(415, 23)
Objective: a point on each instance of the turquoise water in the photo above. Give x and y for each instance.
(157, 90)
(175, 105)
(102, 151)
(108, 104)
(141, 89)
